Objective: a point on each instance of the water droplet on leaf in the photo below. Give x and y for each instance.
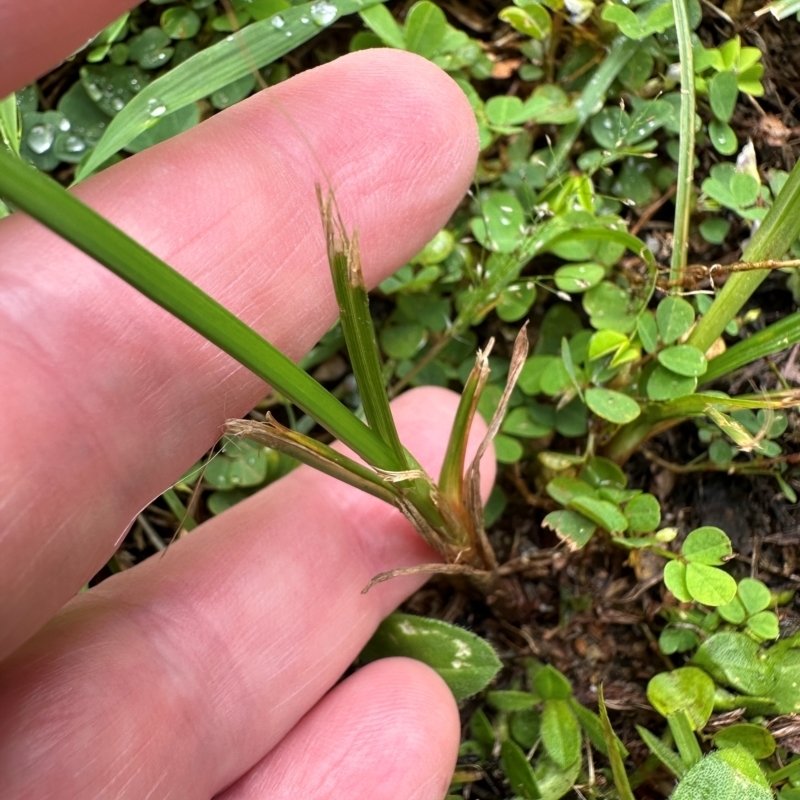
(155, 108)
(323, 12)
(40, 139)
(278, 22)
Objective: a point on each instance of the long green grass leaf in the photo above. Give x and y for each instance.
(10, 123)
(685, 184)
(253, 47)
(46, 201)
(772, 339)
(614, 756)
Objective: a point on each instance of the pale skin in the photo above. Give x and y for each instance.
(209, 672)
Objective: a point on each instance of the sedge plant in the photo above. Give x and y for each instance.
(447, 513)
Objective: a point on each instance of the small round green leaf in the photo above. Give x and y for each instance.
(664, 384)
(571, 527)
(674, 317)
(744, 188)
(532, 20)
(518, 422)
(764, 625)
(709, 585)
(511, 700)
(758, 741)
(564, 488)
(722, 93)
(464, 661)
(643, 513)
(683, 359)
(516, 301)
(179, 22)
(733, 612)
(675, 580)
(684, 689)
(612, 406)
(577, 278)
(506, 449)
(648, 331)
(755, 596)
(604, 343)
(707, 545)
(403, 341)
(722, 137)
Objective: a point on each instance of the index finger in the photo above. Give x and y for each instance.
(107, 398)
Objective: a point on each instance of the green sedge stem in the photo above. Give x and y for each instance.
(46, 201)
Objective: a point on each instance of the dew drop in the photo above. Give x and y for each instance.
(304, 19)
(40, 138)
(63, 125)
(94, 91)
(323, 12)
(155, 108)
(278, 22)
(287, 34)
(74, 145)
(117, 104)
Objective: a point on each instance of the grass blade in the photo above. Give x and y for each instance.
(10, 124)
(772, 339)
(685, 184)
(255, 46)
(451, 479)
(614, 756)
(46, 201)
(359, 334)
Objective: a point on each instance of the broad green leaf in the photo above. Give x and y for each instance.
(518, 771)
(684, 360)
(571, 527)
(601, 512)
(465, 661)
(758, 741)
(426, 26)
(255, 46)
(707, 545)
(744, 189)
(643, 513)
(684, 689)
(481, 728)
(664, 384)
(530, 379)
(723, 91)
(577, 278)
(609, 307)
(755, 596)
(730, 774)
(675, 580)
(550, 684)
(734, 659)
(612, 406)
(709, 585)
(499, 227)
(555, 378)
(674, 317)
(10, 123)
(561, 733)
(504, 111)
(784, 666)
(524, 727)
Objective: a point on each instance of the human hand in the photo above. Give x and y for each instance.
(208, 671)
